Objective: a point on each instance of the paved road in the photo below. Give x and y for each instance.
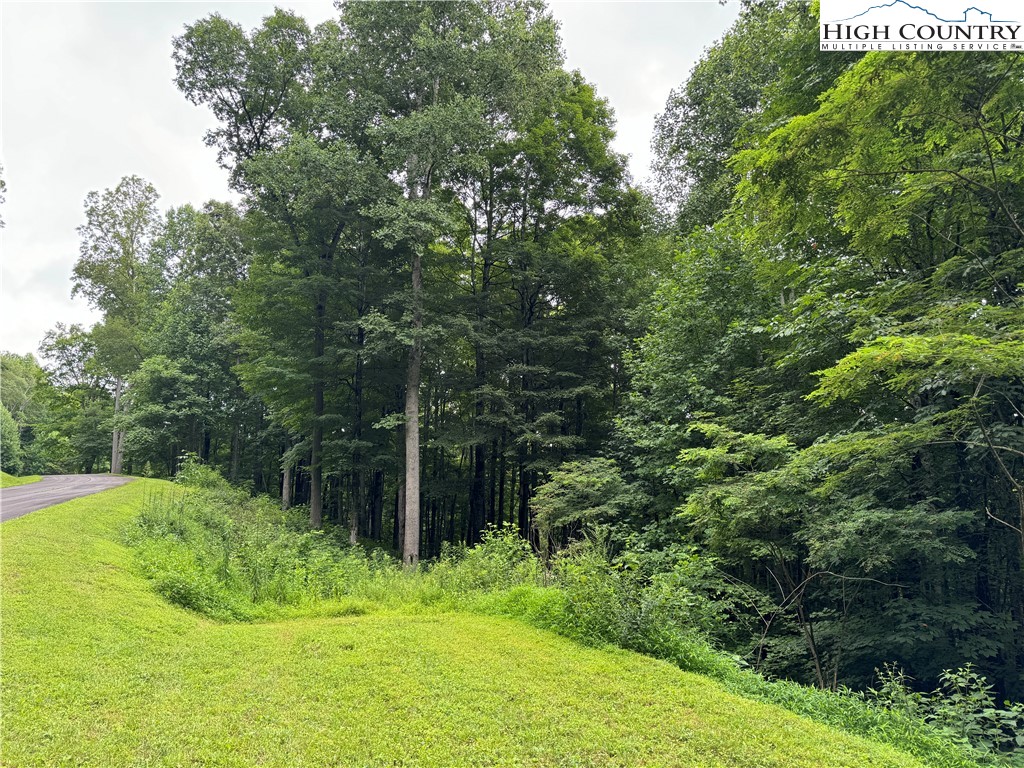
(52, 489)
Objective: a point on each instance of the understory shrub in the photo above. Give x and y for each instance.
(655, 614)
(963, 708)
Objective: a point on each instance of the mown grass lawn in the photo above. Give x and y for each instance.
(9, 481)
(100, 671)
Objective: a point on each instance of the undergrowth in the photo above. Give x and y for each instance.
(216, 550)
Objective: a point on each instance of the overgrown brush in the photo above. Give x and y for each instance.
(216, 550)
(963, 708)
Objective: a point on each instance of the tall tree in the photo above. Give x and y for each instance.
(868, 263)
(432, 178)
(116, 271)
(255, 85)
(24, 383)
(410, 62)
(10, 443)
(78, 403)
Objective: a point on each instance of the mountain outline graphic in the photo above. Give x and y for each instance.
(935, 16)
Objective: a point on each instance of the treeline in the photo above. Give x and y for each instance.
(793, 379)
(829, 398)
(437, 261)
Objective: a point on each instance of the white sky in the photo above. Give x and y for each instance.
(87, 97)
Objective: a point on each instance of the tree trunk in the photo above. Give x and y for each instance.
(411, 539)
(500, 515)
(316, 471)
(236, 454)
(358, 506)
(477, 495)
(355, 505)
(117, 439)
(286, 485)
(399, 533)
(524, 497)
(492, 489)
(376, 504)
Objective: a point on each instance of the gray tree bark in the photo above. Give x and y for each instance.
(286, 485)
(117, 440)
(411, 540)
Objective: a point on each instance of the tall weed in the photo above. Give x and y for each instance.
(218, 551)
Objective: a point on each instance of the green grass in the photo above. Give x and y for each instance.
(9, 481)
(98, 670)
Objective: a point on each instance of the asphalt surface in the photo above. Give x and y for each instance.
(52, 489)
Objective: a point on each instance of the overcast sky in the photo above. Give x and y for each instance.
(87, 98)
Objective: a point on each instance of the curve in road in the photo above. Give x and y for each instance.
(52, 489)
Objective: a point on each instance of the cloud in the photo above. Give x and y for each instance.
(88, 98)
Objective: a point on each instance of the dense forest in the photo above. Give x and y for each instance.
(791, 372)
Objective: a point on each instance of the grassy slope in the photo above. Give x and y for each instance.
(99, 671)
(8, 481)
